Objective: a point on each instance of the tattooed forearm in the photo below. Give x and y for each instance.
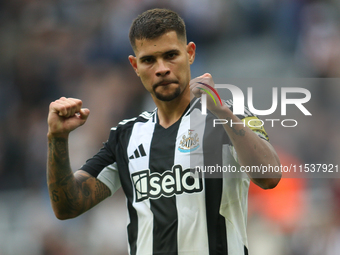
(58, 164)
(240, 132)
(101, 191)
(71, 194)
(54, 196)
(61, 182)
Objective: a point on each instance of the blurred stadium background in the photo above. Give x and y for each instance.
(79, 48)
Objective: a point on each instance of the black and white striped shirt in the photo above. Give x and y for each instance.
(170, 212)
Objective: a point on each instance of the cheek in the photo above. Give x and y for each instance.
(146, 80)
(142, 74)
(184, 71)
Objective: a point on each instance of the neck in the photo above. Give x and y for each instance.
(170, 112)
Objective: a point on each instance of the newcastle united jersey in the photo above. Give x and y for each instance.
(175, 206)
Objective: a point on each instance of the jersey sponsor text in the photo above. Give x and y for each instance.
(175, 181)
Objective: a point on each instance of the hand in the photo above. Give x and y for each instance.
(204, 83)
(65, 115)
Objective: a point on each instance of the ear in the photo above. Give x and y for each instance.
(191, 50)
(133, 62)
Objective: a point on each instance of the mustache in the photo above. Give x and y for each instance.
(160, 83)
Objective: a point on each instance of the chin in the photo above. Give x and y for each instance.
(167, 97)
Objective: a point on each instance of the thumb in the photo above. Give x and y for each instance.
(206, 75)
(84, 113)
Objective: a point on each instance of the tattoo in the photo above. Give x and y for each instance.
(240, 132)
(86, 190)
(101, 191)
(82, 183)
(54, 196)
(70, 194)
(58, 158)
(62, 186)
(65, 181)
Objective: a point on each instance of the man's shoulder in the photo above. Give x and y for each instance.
(128, 123)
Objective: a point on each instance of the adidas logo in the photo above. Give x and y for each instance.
(139, 152)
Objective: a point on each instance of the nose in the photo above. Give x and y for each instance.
(162, 69)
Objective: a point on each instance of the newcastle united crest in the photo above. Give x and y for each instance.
(189, 143)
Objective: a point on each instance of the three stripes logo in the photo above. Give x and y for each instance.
(139, 152)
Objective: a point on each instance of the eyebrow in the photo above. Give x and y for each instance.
(163, 54)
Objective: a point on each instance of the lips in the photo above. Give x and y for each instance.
(164, 83)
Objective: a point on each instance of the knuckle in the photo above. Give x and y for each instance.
(53, 106)
(59, 101)
(75, 102)
(63, 108)
(79, 102)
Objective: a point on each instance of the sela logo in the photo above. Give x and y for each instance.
(238, 99)
(175, 181)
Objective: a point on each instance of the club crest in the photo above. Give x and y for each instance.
(189, 143)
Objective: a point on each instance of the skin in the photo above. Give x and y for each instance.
(71, 194)
(163, 65)
(251, 149)
(153, 65)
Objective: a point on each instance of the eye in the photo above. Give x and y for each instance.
(147, 60)
(172, 55)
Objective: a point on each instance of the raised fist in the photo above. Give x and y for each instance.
(65, 115)
(204, 84)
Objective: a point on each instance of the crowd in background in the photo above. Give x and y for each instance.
(79, 48)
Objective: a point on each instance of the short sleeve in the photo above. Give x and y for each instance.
(103, 165)
(110, 177)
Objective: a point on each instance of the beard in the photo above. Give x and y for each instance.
(168, 97)
(165, 94)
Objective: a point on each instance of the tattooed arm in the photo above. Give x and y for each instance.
(71, 193)
(251, 149)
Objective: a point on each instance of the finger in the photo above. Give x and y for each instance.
(197, 91)
(84, 113)
(198, 85)
(203, 79)
(61, 106)
(77, 102)
(67, 107)
(76, 105)
(58, 107)
(206, 75)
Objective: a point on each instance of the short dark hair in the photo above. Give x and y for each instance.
(154, 23)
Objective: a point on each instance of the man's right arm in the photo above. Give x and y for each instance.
(71, 193)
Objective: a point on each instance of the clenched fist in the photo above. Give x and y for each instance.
(65, 115)
(205, 84)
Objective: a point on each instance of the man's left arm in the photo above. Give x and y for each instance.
(250, 148)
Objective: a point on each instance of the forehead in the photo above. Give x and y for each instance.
(161, 44)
